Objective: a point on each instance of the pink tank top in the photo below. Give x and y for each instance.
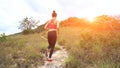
(52, 25)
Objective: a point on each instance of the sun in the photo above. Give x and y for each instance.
(91, 19)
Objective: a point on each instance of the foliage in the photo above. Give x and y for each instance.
(27, 24)
(93, 46)
(3, 37)
(22, 51)
(25, 32)
(103, 22)
(74, 21)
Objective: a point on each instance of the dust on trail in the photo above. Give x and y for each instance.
(58, 57)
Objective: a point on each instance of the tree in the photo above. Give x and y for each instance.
(27, 24)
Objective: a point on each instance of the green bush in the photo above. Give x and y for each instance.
(25, 32)
(3, 37)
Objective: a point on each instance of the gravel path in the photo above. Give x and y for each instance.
(58, 57)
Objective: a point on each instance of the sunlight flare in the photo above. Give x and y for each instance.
(91, 19)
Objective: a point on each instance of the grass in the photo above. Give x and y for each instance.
(89, 48)
(24, 51)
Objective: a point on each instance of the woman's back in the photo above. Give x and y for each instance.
(52, 24)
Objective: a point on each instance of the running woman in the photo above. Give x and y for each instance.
(52, 26)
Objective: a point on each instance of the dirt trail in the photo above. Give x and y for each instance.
(58, 57)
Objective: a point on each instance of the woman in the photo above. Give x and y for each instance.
(52, 26)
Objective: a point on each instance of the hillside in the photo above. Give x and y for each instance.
(22, 51)
(89, 45)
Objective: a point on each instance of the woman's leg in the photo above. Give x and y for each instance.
(51, 40)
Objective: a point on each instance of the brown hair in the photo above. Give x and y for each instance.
(54, 14)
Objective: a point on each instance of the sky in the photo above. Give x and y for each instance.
(13, 11)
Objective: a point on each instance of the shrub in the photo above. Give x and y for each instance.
(3, 37)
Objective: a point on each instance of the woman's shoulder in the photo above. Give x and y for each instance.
(51, 20)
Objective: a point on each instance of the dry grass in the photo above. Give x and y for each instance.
(22, 51)
(90, 48)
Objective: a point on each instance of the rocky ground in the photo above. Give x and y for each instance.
(58, 57)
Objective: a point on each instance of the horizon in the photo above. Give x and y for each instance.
(11, 14)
